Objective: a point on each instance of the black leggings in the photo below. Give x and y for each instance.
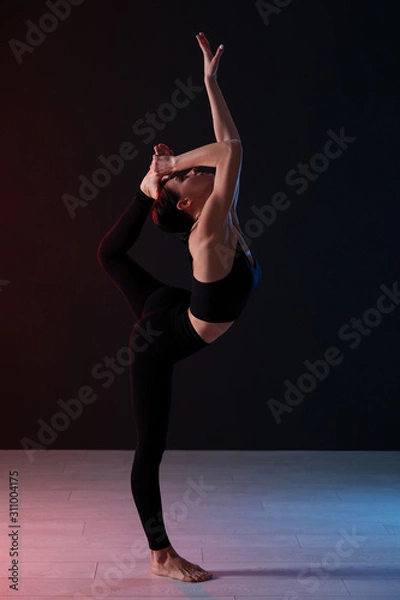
(162, 335)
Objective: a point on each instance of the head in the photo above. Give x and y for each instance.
(181, 199)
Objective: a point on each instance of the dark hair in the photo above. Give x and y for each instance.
(168, 217)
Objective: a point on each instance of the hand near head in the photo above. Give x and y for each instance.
(211, 61)
(161, 149)
(163, 163)
(151, 182)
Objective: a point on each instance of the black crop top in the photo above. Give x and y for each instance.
(223, 300)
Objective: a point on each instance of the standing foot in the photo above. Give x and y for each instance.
(168, 563)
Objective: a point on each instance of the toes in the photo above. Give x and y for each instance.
(202, 575)
(188, 575)
(196, 577)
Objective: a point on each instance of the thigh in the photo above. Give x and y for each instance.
(151, 395)
(132, 280)
(164, 336)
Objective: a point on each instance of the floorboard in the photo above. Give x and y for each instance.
(279, 525)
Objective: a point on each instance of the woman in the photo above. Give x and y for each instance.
(181, 322)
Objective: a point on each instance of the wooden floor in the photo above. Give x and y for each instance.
(279, 525)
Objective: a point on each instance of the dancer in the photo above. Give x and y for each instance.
(174, 322)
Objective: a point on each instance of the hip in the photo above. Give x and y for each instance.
(166, 325)
(209, 332)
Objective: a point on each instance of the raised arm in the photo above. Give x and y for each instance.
(224, 127)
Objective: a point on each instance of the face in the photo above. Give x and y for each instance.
(194, 185)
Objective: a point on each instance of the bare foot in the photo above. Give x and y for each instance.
(168, 563)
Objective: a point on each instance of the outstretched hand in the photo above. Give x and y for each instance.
(211, 61)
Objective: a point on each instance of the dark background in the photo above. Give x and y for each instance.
(288, 79)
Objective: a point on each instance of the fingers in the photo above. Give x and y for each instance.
(162, 149)
(205, 46)
(203, 39)
(162, 146)
(218, 53)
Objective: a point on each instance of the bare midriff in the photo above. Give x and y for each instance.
(208, 331)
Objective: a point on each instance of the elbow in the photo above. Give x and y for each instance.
(235, 150)
(234, 141)
(234, 145)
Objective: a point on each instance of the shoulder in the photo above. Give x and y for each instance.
(199, 246)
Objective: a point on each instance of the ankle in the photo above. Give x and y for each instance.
(163, 554)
